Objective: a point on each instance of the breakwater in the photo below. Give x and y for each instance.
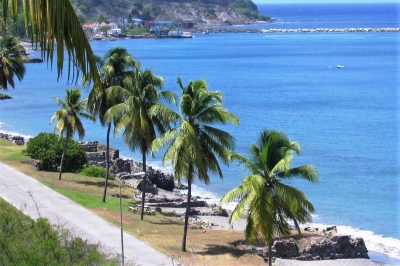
(303, 30)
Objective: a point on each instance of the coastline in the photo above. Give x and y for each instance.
(222, 223)
(383, 250)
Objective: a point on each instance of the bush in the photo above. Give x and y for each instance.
(46, 148)
(24, 241)
(95, 171)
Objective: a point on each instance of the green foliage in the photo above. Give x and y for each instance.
(94, 171)
(24, 241)
(264, 195)
(48, 149)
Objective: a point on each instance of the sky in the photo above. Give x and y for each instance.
(321, 1)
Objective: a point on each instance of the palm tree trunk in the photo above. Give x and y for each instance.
(144, 184)
(107, 161)
(186, 216)
(62, 158)
(270, 253)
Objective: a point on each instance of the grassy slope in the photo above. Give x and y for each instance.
(208, 247)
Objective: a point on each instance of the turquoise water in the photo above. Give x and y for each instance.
(346, 120)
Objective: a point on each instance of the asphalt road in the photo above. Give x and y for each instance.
(37, 200)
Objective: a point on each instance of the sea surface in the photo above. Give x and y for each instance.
(345, 119)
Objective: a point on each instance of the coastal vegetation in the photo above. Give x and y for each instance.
(166, 10)
(141, 113)
(195, 146)
(68, 119)
(47, 148)
(11, 61)
(114, 67)
(24, 241)
(94, 171)
(162, 230)
(28, 242)
(263, 198)
(129, 98)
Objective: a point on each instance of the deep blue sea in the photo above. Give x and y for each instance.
(346, 120)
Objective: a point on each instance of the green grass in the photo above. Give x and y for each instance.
(89, 201)
(11, 152)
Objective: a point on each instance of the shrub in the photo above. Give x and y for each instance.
(24, 241)
(95, 171)
(46, 148)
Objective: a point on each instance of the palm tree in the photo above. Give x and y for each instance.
(116, 64)
(195, 145)
(69, 119)
(263, 196)
(11, 62)
(142, 114)
(55, 26)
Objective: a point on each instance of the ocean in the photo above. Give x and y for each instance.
(345, 119)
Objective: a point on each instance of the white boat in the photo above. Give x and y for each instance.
(340, 66)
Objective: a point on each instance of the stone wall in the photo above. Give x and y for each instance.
(96, 153)
(15, 139)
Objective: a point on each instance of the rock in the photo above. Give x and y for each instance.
(336, 247)
(5, 97)
(339, 246)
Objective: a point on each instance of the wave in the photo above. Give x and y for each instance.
(376, 243)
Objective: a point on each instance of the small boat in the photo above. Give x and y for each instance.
(340, 66)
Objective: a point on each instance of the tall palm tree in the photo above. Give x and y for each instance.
(68, 118)
(195, 145)
(142, 113)
(11, 62)
(263, 196)
(114, 67)
(55, 26)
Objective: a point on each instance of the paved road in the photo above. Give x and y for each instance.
(16, 188)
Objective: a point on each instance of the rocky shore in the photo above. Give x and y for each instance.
(315, 246)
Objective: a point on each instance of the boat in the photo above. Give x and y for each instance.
(341, 66)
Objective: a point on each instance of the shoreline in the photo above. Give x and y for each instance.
(222, 223)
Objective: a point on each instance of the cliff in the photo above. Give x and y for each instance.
(203, 12)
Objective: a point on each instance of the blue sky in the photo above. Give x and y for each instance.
(321, 1)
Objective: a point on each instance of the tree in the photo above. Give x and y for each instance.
(142, 114)
(55, 26)
(195, 146)
(263, 196)
(69, 119)
(114, 67)
(12, 60)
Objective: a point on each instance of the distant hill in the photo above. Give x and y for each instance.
(201, 12)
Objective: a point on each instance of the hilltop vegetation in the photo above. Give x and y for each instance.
(203, 12)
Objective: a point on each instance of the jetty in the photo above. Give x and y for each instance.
(303, 30)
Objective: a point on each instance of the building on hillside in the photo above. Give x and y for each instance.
(94, 27)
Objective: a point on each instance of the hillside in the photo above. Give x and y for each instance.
(203, 12)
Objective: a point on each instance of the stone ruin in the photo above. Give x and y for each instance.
(96, 154)
(18, 140)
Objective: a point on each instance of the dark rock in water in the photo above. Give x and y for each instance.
(5, 97)
(35, 60)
